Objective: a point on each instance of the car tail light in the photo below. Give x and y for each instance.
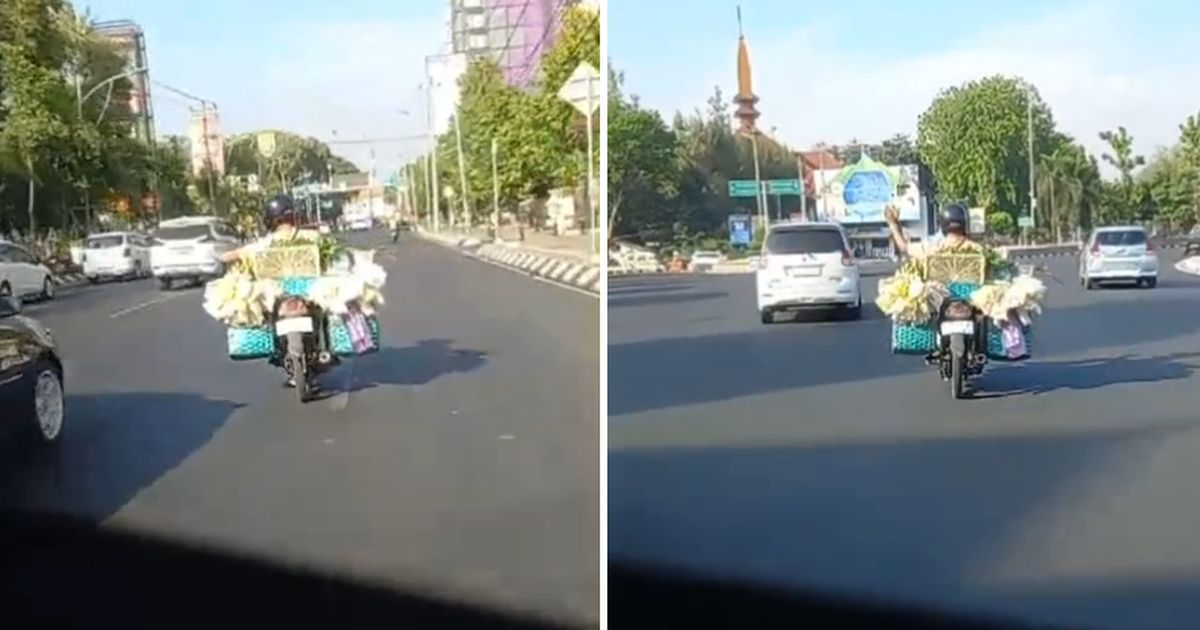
(847, 258)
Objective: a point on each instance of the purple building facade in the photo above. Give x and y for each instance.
(514, 33)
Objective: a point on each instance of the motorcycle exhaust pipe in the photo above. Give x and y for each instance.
(324, 357)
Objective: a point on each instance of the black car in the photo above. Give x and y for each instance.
(31, 375)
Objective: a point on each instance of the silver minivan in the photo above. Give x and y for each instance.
(1118, 254)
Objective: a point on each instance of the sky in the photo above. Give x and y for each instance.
(307, 66)
(835, 71)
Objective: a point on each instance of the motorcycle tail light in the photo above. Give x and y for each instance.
(292, 307)
(959, 310)
(847, 258)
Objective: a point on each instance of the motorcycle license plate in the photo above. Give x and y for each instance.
(958, 328)
(293, 325)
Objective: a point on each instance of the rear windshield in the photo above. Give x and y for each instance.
(184, 233)
(1130, 237)
(104, 242)
(806, 241)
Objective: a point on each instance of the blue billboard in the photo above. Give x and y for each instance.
(741, 232)
(858, 193)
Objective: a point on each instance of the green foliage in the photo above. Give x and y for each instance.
(1001, 223)
(641, 160)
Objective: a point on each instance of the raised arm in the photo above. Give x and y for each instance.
(892, 216)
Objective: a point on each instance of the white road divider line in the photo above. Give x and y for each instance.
(576, 275)
(137, 307)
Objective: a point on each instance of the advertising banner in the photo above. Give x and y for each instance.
(858, 193)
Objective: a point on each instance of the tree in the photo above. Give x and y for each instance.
(973, 138)
(641, 161)
(1128, 195)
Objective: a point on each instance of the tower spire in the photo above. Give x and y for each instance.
(745, 99)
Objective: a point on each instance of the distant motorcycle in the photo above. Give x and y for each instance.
(962, 344)
(304, 353)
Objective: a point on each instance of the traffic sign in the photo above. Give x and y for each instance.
(1025, 222)
(743, 188)
(582, 89)
(739, 229)
(784, 187)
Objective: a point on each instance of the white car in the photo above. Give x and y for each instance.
(1118, 254)
(705, 260)
(22, 276)
(807, 266)
(190, 249)
(360, 224)
(116, 255)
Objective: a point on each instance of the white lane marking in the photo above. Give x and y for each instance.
(540, 279)
(137, 307)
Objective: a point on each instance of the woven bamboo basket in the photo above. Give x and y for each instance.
(290, 261)
(951, 269)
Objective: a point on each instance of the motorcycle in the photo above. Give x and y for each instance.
(304, 353)
(962, 344)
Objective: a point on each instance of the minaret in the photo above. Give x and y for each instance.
(745, 98)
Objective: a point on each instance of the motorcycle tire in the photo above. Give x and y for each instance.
(958, 357)
(298, 366)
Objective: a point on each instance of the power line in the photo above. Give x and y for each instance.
(560, 10)
(182, 93)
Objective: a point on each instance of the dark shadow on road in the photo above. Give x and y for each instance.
(914, 519)
(112, 446)
(634, 289)
(413, 365)
(1042, 377)
(121, 579)
(662, 298)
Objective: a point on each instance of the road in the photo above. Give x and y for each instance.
(461, 460)
(804, 455)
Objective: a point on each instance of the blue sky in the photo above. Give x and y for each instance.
(834, 71)
(303, 65)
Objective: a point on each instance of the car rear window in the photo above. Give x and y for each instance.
(805, 241)
(1127, 237)
(104, 242)
(182, 233)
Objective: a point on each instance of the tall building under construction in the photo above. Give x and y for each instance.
(514, 33)
(131, 42)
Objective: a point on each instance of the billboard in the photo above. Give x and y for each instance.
(208, 145)
(740, 232)
(858, 193)
(442, 75)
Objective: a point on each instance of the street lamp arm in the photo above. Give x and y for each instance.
(109, 80)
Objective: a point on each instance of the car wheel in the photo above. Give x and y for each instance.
(1089, 285)
(5, 290)
(768, 316)
(49, 403)
(164, 284)
(1151, 283)
(47, 289)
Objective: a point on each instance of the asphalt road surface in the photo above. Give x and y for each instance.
(804, 454)
(461, 460)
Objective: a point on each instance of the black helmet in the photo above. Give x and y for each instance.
(280, 208)
(953, 215)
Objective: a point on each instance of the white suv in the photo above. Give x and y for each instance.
(115, 255)
(807, 266)
(190, 249)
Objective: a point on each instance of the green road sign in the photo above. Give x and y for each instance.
(743, 188)
(784, 187)
(1025, 222)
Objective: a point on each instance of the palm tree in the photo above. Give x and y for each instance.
(1060, 185)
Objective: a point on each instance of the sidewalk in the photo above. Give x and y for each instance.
(554, 258)
(572, 247)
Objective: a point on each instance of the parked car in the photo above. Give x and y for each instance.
(22, 275)
(1118, 254)
(190, 249)
(807, 266)
(705, 260)
(1192, 245)
(116, 255)
(31, 375)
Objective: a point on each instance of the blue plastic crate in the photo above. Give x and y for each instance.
(297, 286)
(962, 290)
(339, 335)
(250, 343)
(913, 338)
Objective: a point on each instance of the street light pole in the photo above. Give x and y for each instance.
(80, 99)
(762, 212)
(495, 192)
(591, 174)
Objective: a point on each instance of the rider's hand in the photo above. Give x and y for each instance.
(891, 215)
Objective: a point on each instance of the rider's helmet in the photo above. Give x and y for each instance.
(953, 218)
(280, 209)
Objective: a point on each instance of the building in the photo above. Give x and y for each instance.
(513, 33)
(131, 42)
(207, 143)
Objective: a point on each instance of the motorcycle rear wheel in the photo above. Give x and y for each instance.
(298, 366)
(958, 355)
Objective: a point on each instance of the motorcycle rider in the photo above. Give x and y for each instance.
(953, 220)
(281, 218)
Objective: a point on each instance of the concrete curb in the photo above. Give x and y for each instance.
(567, 272)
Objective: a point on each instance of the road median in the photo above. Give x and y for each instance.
(569, 270)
